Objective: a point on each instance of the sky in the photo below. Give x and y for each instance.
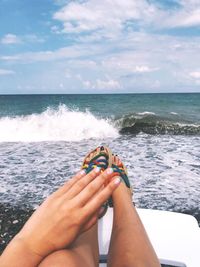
(92, 46)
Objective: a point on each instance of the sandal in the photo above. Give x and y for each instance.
(121, 170)
(102, 158)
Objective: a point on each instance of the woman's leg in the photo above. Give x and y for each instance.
(83, 252)
(129, 245)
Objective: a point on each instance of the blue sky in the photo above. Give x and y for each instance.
(63, 46)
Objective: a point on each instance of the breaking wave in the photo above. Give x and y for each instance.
(150, 123)
(61, 124)
(64, 124)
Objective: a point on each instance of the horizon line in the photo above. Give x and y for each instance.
(127, 93)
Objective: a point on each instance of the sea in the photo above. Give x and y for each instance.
(44, 138)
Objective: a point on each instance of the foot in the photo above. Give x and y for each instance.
(92, 160)
(99, 157)
(124, 188)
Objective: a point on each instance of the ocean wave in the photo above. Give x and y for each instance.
(60, 124)
(64, 124)
(153, 124)
(146, 113)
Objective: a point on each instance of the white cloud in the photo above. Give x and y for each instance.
(67, 74)
(192, 19)
(107, 84)
(14, 39)
(97, 15)
(100, 84)
(187, 15)
(108, 18)
(197, 82)
(143, 69)
(195, 74)
(74, 51)
(87, 84)
(113, 49)
(182, 19)
(6, 72)
(10, 58)
(32, 38)
(55, 29)
(10, 39)
(133, 61)
(123, 62)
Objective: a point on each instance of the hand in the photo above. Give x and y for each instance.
(66, 213)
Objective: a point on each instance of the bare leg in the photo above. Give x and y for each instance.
(84, 252)
(129, 245)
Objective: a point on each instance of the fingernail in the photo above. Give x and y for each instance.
(82, 172)
(97, 169)
(101, 210)
(117, 181)
(109, 170)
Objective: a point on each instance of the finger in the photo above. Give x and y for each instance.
(82, 183)
(101, 197)
(89, 191)
(90, 223)
(65, 188)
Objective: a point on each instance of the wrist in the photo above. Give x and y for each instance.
(24, 243)
(18, 253)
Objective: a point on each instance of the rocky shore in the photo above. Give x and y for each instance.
(12, 218)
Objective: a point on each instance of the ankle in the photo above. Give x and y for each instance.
(122, 192)
(122, 199)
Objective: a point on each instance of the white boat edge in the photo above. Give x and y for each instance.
(175, 236)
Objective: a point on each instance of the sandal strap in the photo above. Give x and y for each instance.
(102, 160)
(101, 154)
(96, 162)
(122, 173)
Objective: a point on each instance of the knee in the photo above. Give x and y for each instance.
(61, 258)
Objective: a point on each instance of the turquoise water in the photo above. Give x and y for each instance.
(43, 139)
(187, 106)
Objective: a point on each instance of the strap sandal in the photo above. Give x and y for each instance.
(102, 158)
(121, 170)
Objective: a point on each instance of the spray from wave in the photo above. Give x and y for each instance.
(61, 124)
(64, 124)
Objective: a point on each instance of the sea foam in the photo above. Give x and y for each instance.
(61, 124)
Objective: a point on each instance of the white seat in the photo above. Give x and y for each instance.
(175, 236)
